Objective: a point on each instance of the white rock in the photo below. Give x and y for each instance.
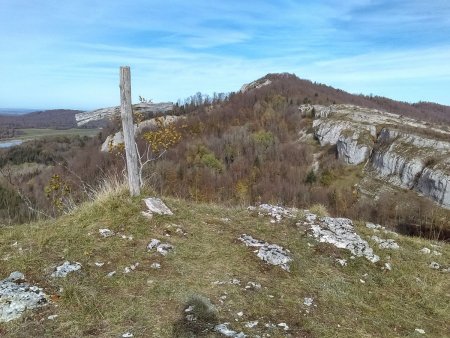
(284, 326)
(155, 266)
(164, 248)
(253, 285)
(270, 253)
(425, 251)
(153, 244)
(15, 298)
(52, 317)
(240, 314)
(227, 332)
(66, 268)
(251, 324)
(99, 264)
(343, 262)
(106, 232)
(110, 274)
(340, 233)
(156, 206)
(388, 266)
(421, 331)
(127, 335)
(435, 265)
(385, 243)
(308, 301)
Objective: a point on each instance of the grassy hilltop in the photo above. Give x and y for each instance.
(362, 299)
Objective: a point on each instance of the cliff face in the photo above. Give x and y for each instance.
(406, 153)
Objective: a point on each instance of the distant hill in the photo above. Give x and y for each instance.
(16, 111)
(305, 91)
(56, 118)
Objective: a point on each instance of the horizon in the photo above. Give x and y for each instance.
(69, 56)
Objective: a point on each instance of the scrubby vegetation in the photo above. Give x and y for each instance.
(239, 149)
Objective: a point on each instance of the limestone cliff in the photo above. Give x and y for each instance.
(406, 153)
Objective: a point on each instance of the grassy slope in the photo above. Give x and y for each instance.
(148, 302)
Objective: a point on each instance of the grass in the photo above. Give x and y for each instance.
(35, 133)
(151, 302)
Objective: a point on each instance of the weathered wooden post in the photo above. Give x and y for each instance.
(126, 114)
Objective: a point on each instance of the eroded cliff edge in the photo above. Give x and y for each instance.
(403, 152)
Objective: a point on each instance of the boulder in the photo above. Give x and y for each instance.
(155, 205)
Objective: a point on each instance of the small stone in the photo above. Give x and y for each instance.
(421, 331)
(52, 317)
(362, 281)
(240, 314)
(112, 273)
(284, 326)
(434, 265)
(127, 335)
(425, 251)
(342, 262)
(66, 268)
(164, 248)
(155, 266)
(308, 301)
(153, 244)
(99, 264)
(106, 232)
(388, 266)
(251, 324)
(253, 286)
(189, 309)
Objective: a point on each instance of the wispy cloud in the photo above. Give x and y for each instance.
(68, 55)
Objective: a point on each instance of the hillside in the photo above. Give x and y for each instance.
(128, 285)
(56, 118)
(279, 140)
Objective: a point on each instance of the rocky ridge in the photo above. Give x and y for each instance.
(402, 151)
(107, 113)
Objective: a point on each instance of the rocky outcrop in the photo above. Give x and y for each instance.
(255, 85)
(269, 253)
(340, 233)
(107, 113)
(354, 141)
(407, 153)
(414, 162)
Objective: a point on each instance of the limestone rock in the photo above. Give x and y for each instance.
(340, 233)
(416, 158)
(17, 296)
(155, 205)
(66, 268)
(224, 330)
(108, 113)
(385, 243)
(162, 248)
(269, 253)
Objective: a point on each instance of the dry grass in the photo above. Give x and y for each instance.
(150, 302)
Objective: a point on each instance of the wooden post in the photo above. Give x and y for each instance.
(126, 114)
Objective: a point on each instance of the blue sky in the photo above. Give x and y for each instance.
(67, 54)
